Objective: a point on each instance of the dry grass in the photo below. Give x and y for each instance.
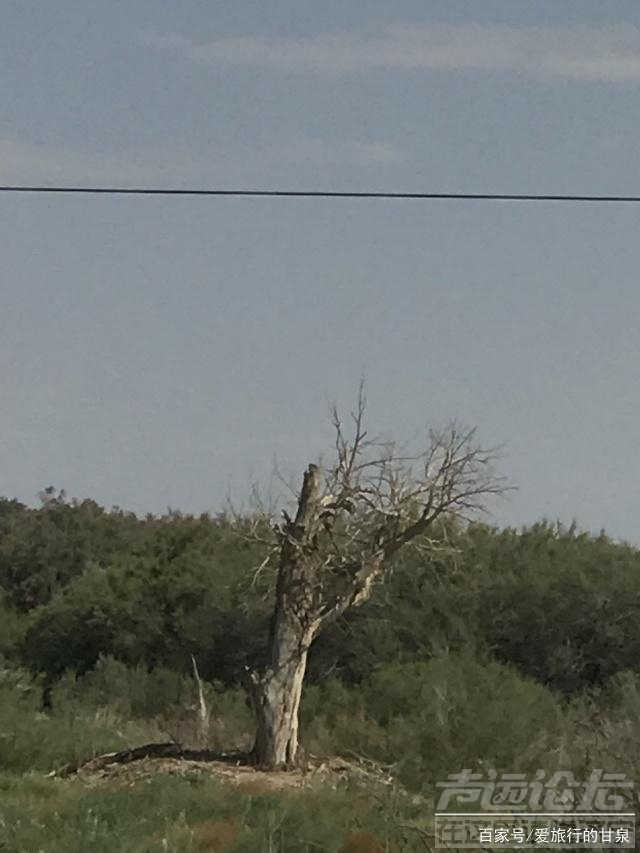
(216, 835)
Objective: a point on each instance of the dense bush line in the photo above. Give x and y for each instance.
(78, 582)
(502, 649)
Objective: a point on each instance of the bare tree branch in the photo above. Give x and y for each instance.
(352, 517)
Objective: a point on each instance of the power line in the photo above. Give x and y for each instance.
(155, 191)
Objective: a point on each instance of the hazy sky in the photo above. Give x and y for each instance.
(160, 351)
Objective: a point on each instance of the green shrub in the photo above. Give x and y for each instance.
(430, 719)
(31, 738)
(161, 700)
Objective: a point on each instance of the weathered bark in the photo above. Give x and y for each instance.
(203, 710)
(295, 623)
(277, 702)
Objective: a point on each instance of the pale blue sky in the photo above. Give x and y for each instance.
(159, 352)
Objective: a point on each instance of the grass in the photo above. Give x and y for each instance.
(162, 813)
(397, 719)
(196, 813)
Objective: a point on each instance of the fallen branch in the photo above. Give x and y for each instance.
(149, 750)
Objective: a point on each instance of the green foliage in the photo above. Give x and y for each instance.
(429, 719)
(42, 550)
(181, 588)
(422, 609)
(12, 627)
(187, 815)
(560, 605)
(513, 650)
(163, 697)
(131, 691)
(563, 607)
(98, 612)
(32, 739)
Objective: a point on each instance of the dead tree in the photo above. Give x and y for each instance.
(352, 518)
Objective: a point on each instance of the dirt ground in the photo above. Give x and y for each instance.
(145, 762)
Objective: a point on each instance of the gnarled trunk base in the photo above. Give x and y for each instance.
(277, 703)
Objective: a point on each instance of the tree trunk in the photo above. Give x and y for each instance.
(277, 695)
